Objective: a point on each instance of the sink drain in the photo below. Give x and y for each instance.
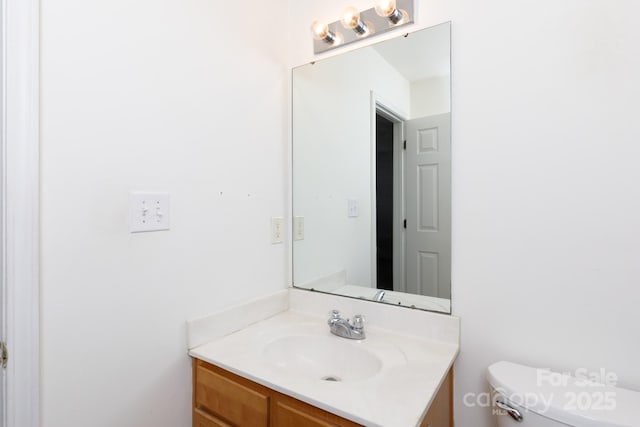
(330, 378)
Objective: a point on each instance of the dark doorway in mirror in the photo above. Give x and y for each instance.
(384, 202)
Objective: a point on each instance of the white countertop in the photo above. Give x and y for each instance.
(398, 395)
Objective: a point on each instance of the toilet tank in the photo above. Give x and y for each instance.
(541, 398)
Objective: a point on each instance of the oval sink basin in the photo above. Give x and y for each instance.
(322, 358)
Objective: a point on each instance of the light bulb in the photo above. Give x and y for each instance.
(351, 20)
(385, 8)
(350, 17)
(319, 30)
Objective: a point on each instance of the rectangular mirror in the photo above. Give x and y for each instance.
(372, 172)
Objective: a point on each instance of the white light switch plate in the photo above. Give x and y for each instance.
(298, 228)
(277, 230)
(148, 212)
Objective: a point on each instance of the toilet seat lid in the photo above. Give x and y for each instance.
(574, 400)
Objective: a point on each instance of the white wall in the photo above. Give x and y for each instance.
(332, 161)
(162, 96)
(545, 181)
(431, 96)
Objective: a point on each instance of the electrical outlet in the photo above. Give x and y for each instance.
(298, 228)
(277, 230)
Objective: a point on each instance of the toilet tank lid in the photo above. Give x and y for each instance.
(576, 400)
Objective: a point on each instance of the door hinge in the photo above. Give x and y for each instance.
(404, 145)
(4, 355)
(405, 223)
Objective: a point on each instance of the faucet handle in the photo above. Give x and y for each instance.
(358, 321)
(333, 316)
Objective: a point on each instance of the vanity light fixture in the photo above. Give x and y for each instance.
(385, 16)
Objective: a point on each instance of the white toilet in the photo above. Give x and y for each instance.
(528, 397)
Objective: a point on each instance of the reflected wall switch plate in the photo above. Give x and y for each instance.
(353, 208)
(277, 230)
(298, 228)
(148, 212)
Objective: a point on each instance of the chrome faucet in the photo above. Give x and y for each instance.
(343, 328)
(379, 296)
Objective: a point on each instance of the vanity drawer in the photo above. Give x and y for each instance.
(228, 398)
(287, 411)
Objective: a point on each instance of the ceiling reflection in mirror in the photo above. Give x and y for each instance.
(372, 172)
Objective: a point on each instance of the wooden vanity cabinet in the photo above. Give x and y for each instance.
(224, 399)
(440, 413)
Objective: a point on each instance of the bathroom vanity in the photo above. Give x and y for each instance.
(221, 398)
(283, 367)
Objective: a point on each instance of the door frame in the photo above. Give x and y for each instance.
(381, 106)
(20, 204)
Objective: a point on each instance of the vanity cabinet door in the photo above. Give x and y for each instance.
(440, 412)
